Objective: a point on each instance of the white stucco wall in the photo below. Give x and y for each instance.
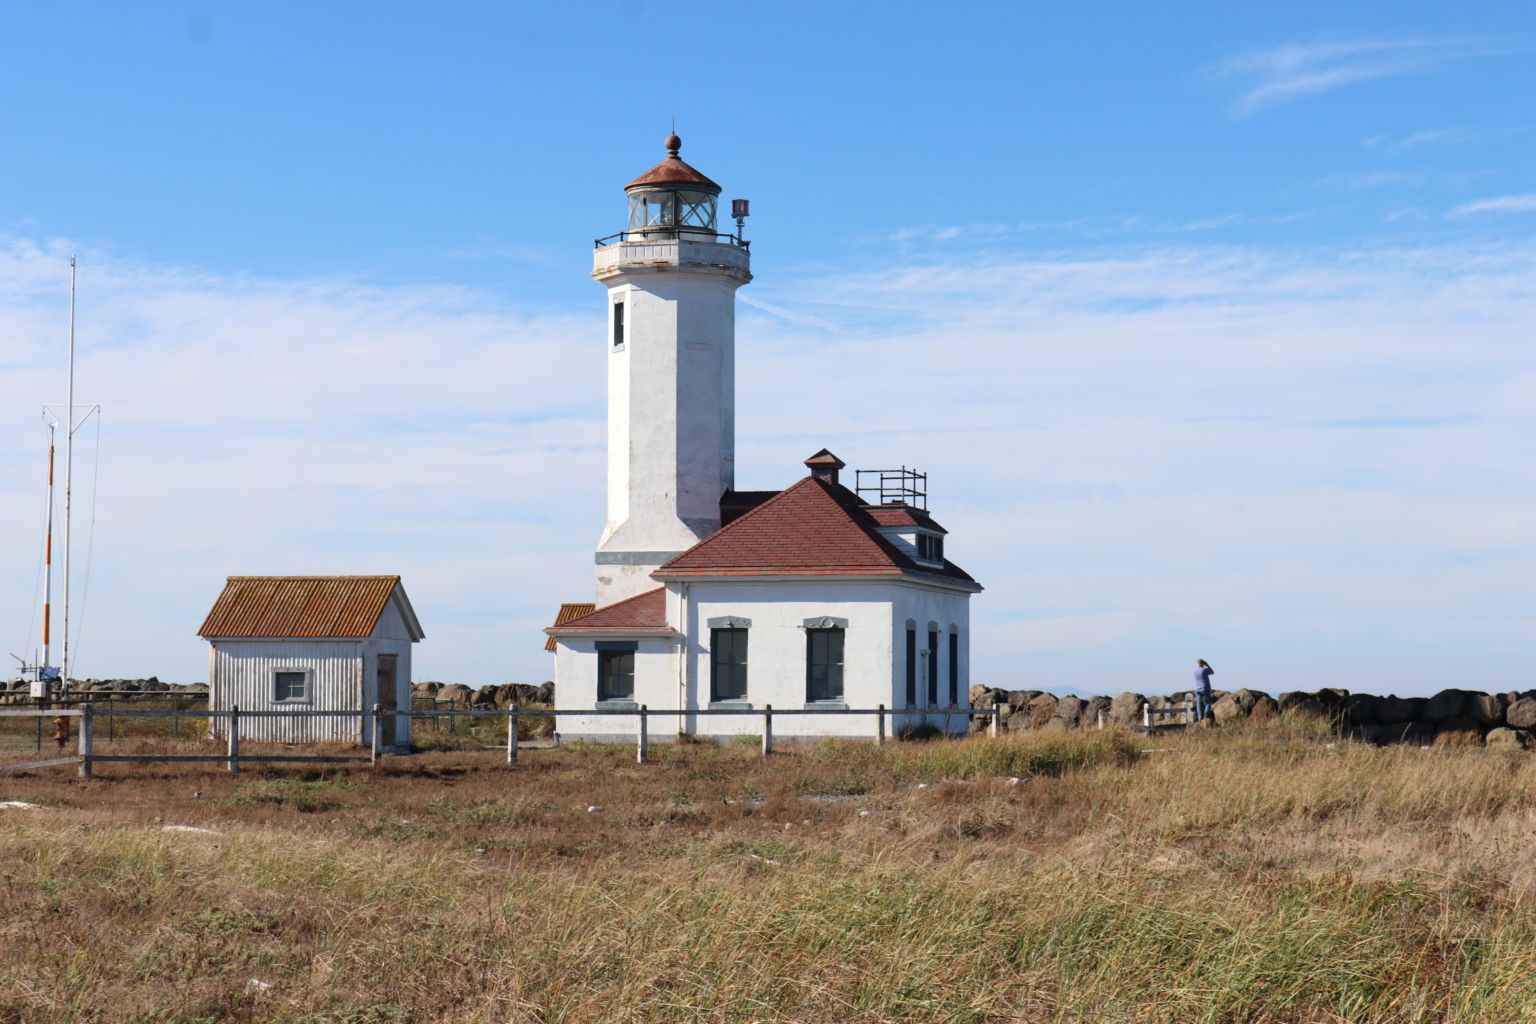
(874, 671)
(671, 403)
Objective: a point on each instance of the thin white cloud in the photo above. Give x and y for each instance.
(1296, 71)
(1525, 203)
(1125, 430)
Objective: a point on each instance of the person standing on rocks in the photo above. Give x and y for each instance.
(1203, 672)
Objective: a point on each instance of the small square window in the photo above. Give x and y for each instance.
(290, 687)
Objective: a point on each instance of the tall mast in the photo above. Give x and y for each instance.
(69, 469)
(42, 669)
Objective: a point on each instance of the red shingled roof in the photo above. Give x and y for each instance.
(897, 514)
(299, 606)
(643, 613)
(814, 528)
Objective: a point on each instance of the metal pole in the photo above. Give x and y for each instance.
(69, 471)
(87, 736)
(42, 675)
(642, 742)
(880, 727)
(512, 736)
(767, 729)
(234, 737)
(373, 740)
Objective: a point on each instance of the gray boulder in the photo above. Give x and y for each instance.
(1521, 713)
(1126, 708)
(1239, 704)
(1487, 708)
(1394, 710)
(1504, 738)
(1095, 707)
(1309, 706)
(980, 695)
(1445, 705)
(458, 693)
(1069, 711)
(1362, 709)
(547, 692)
(1042, 709)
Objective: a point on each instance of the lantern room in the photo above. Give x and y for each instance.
(672, 197)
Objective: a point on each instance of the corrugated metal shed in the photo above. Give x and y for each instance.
(298, 606)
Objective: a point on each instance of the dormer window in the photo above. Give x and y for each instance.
(930, 548)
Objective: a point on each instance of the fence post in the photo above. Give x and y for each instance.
(373, 740)
(87, 738)
(997, 720)
(767, 729)
(512, 736)
(642, 741)
(234, 737)
(1146, 714)
(880, 727)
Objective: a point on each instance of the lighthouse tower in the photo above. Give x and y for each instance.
(671, 280)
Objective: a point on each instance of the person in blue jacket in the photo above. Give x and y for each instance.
(1203, 672)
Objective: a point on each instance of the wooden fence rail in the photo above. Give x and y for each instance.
(233, 758)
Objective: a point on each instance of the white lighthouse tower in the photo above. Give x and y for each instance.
(671, 280)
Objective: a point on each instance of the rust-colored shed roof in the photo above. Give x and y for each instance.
(271, 607)
(568, 611)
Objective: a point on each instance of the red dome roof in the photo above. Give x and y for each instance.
(672, 171)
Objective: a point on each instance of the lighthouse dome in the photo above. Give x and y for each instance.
(672, 196)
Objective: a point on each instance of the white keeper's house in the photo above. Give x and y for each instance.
(709, 598)
(313, 643)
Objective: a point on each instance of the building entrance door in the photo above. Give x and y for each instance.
(384, 674)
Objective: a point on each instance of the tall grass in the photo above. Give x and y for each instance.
(1250, 876)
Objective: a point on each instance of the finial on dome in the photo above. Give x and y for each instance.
(673, 143)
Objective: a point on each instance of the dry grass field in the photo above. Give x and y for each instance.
(1260, 874)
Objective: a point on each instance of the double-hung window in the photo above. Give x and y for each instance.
(727, 664)
(824, 664)
(616, 671)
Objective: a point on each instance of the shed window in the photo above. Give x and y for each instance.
(290, 687)
(727, 664)
(616, 672)
(823, 664)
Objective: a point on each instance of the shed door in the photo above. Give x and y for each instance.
(384, 674)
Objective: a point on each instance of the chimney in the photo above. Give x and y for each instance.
(824, 466)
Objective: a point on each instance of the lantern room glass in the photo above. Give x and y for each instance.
(650, 210)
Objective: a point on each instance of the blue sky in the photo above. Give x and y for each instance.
(1211, 322)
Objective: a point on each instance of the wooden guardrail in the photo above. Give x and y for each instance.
(233, 758)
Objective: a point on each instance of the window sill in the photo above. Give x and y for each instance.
(623, 703)
(730, 705)
(830, 705)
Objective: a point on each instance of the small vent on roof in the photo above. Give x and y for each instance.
(904, 485)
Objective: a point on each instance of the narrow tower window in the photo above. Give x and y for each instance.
(911, 666)
(954, 668)
(933, 668)
(618, 324)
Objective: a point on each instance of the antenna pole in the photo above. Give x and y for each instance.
(69, 471)
(42, 671)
